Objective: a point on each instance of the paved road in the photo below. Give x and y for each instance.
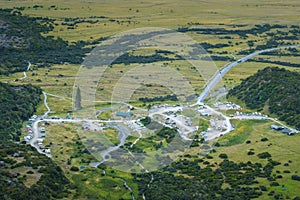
(219, 75)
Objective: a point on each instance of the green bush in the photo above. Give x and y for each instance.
(223, 156)
(264, 155)
(74, 169)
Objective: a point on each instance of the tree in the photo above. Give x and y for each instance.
(74, 169)
(78, 99)
(223, 156)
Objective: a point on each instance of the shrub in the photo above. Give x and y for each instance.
(263, 188)
(264, 155)
(223, 156)
(274, 163)
(274, 184)
(279, 176)
(74, 169)
(296, 177)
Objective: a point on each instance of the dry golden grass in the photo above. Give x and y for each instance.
(154, 13)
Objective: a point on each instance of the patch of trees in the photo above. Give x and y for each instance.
(171, 97)
(206, 45)
(295, 177)
(73, 22)
(257, 29)
(156, 57)
(217, 58)
(167, 133)
(146, 121)
(51, 185)
(264, 155)
(24, 41)
(275, 62)
(280, 38)
(292, 34)
(185, 179)
(287, 52)
(150, 124)
(77, 20)
(17, 104)
(74, 169)
(270, 44)
(223, 156)
(278, 88)
(246, 51)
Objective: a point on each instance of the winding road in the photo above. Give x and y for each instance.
(35, 127)
(25, 74)
(46, 105)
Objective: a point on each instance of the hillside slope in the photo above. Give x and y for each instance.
(22, 39)
(273, 88)
(17, 104)
(24, 173)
